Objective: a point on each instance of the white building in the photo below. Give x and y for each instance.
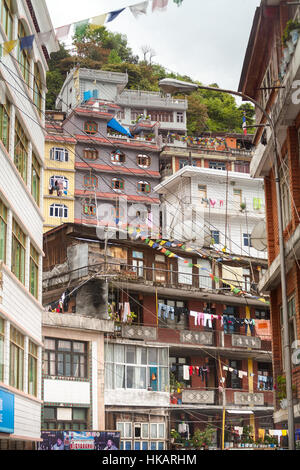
(213, 207)
(21, 220)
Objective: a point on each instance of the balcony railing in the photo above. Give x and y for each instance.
(209, 396)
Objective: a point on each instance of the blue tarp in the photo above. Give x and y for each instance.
(113, 124)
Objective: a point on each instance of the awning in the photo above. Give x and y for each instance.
(114, 124)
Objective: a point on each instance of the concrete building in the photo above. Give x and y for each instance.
(21, 241)
(163, 368)
(59, 173)
(213, 207)
(270, 73)
(155, 108)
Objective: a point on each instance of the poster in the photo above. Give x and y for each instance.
(80, 440)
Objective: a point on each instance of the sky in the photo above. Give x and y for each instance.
(204, 39)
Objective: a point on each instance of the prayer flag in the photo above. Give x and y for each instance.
(113, 14)
(244, 125)
(62, 32)
(8, 46)
(159, 5)
(26, 42)
(98, 20)
(139, 9)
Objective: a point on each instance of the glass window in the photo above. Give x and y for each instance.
(34, 271)
(145, 430)
(35, 179)
(18, 252)
(143, 161)
(38, 90)
(118, 157)
(247, 239)
(144, 187)
(89, 209)
(3, 230)
(1, 349)
(5, 124)
(59, 154)
(16, 362)
(215, 235)
(214, 165)
(7, 18)
(65, 358)
(117, 184)
(285, 193)
(21, 150)
(23, 55)
(59, 211)
(32, 368)
(90, 182)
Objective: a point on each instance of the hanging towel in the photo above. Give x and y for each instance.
(186, 373)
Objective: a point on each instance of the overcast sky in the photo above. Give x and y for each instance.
(205, 40)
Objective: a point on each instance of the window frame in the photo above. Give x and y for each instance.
(7, 18)
(59, 154)
(51, 358)
(54, 424)
(34, 272)
(118, 180)
(5, 110)
(58, 207)
(32, 368)
(144, 187)
(18, 243)
(89, 180)
(90, 153)
(3, 230)
(91, 127)
(35, 179)
(118, 158)
(16, 351)
(146, 158)
(21, 156)
(2, 341)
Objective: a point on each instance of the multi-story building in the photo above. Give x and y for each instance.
(270, 76)
(214, 207)
(59, 173)
(23, 88)
(152, 109)
(180, 352)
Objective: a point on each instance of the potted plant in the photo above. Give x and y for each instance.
(243, 206)
(291, 33)
(203, 439)
(175, 436)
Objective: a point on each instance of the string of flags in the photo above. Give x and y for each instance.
(164, 245)
(218, 143)
(137, 10)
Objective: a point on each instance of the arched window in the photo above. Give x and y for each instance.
(89, 208)
(7, 18)
(59, 211)
(118, 157)
(144, 187)
(91, 127)
(143, 161)
(118, 184)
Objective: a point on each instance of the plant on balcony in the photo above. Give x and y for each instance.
(281, 390)
(203, 439)
(270, 440)
(243, 206)
(291, 26)
(247, 435)
(175, 436)
(175, 385)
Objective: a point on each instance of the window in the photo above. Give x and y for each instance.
(138, 263)
(59, 211)
(160, 269)
(285, 193)
(136, 113)
(59, 184)
(247, 279)
(59, 154)
(5, 124)
(144, 187)
(237, 198)
(257, 203)
(91, 127)
(118, 157)
(18, 252)
(90, 182)
(65, 358)
(233, 380)
(143, 161)
(35, 179)
(176, 368)
(214, 165)
(32, 368)
(7, 18)
(23, 55)
(292, 324)
(215, 236)
(117, 184)
(21, 150)
(242, 167)
(1, 349)
(16, 362)
(90, 154)
(3, 230)
(142, 436)
(89, 209)
(202, 194)
(183, 163)
(34, 271)
(247, 239)
(65, 419)
(180, 117)
(135, 367)
(38, 90)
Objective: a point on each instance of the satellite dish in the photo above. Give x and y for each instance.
(258, 237)
(170, 85)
